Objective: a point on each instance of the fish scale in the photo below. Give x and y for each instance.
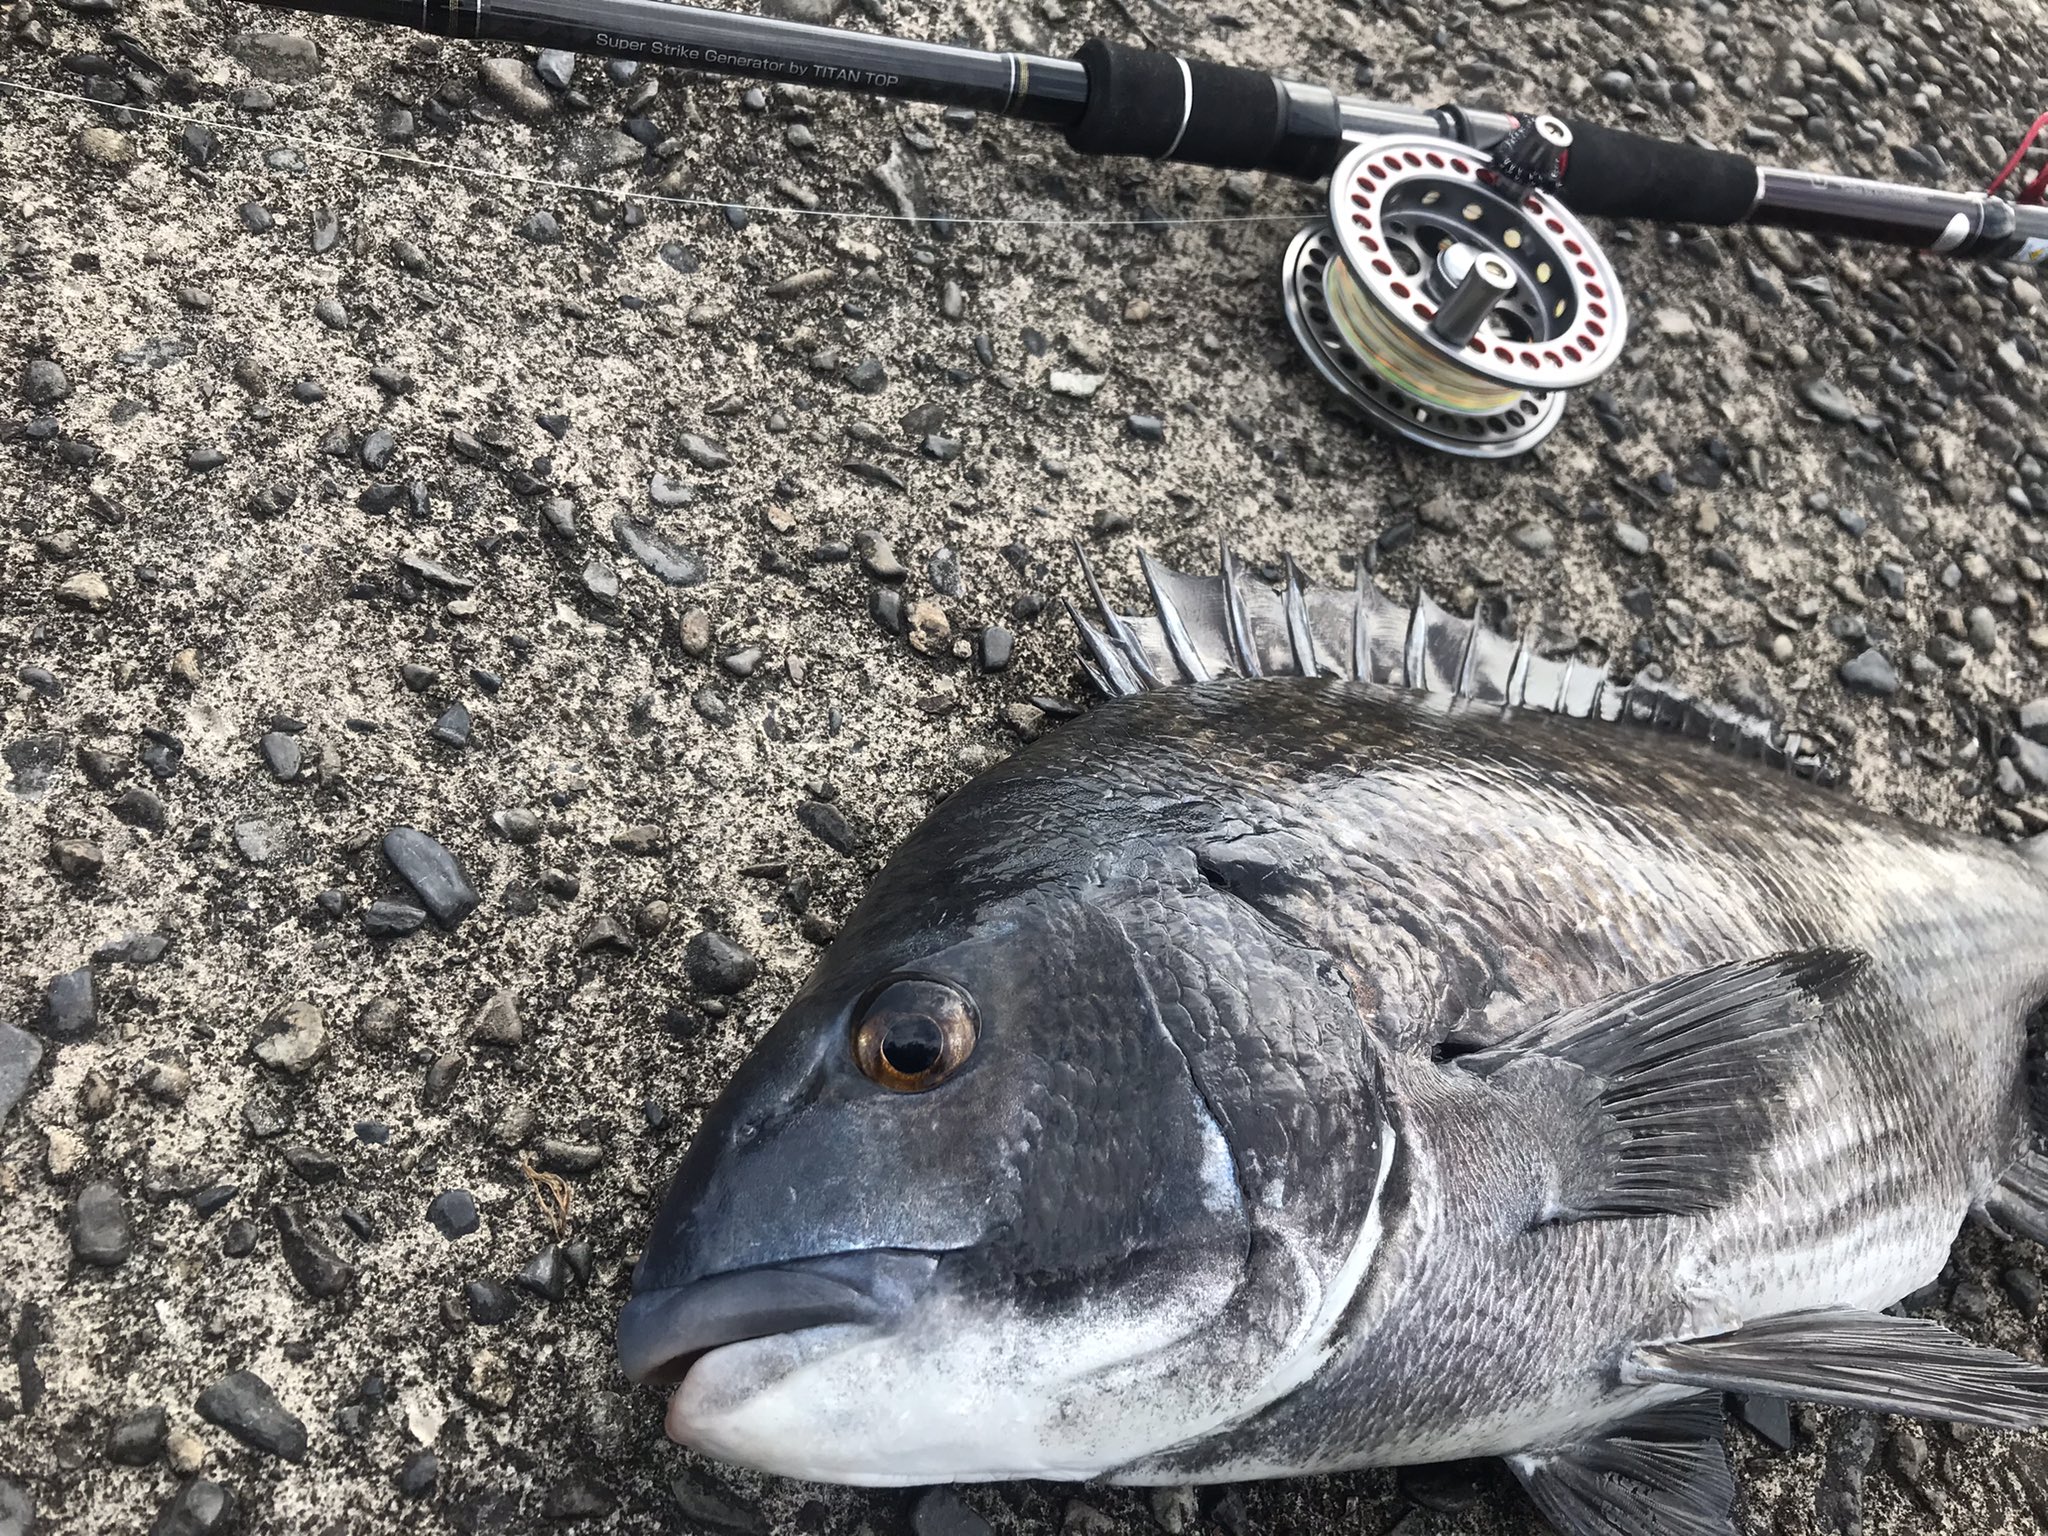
(1675, 880)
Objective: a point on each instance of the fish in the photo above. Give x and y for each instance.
(1364, 1040)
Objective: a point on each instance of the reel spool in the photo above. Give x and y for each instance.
(1452, 299)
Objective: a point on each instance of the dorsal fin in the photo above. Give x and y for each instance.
(1228, 626)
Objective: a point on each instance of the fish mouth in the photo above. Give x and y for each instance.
(664, 1333)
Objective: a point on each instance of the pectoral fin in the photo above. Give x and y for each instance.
(1662, 1473)
(1869, 1361)
(1656, 1101)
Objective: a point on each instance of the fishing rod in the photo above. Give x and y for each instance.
(1454, 297)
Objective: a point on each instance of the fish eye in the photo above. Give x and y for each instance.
(914, 1033)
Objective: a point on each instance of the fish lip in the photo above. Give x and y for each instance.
(664, 1332)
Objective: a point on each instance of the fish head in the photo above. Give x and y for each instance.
(997, 1195)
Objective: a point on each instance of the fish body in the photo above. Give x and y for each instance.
(1264, 1076)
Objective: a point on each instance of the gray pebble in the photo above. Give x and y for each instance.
(704, 452)
(1631, 538)
(1826, 397)
(436, 875)
(243, 1404)
(281, 755)
(513, 86)
(20, 1054)
(877, 558)
(100, 1232)
(317, 1267)
(392, 919)
(824, 821)
(43, 383)
(517, 825)
(292, 1038)
(676, 566)
(600, 580)
(1871, 672)
(70, 1006)
(453, 1213)
(556, 67)
(139, 1439)
(453, 726)
(201, 1507)
(716, 964)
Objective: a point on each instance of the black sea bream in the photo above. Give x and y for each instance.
(1269, 1075)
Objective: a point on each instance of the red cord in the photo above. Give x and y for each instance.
(2033, 190)
(2033, 187)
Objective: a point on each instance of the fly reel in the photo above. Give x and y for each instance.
(1452, 298)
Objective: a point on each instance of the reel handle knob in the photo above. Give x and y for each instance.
(1487, 282)
(1534, 155)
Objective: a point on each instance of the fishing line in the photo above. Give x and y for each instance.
(555, 184)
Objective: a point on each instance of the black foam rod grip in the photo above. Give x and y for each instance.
(1164, 107)
(1612, 174)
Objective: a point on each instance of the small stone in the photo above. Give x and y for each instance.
(1174, 1510)
(995, 647)
(139, 1439)
(1534, 538)
(20, 1054)
(513, 86)
(607, 933)
(704, 452)
(601, 581)
(676, 566)
(556, 67)
(1632, 539)
(281, 755)
(490, 1302)
(293, 1038)
(100, 1233)
(70, 1008)
(393, 919)
(436, 875)
(199, 1508)
(1148, 429)
(1826, 397)
(641, 838)
(87, 590)
(1076, 386)
(877, 558)
(1870, 673)
(498, 1022)
(243, 1404)
(546, 1275)
(43, 383)
(825, 822)
(453, 1213)
(517, 825)
(489, 1382)
(867, 377)
(313, 1264)
(77, 858)
(453, 726)
(716, 964)
(929, 628)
